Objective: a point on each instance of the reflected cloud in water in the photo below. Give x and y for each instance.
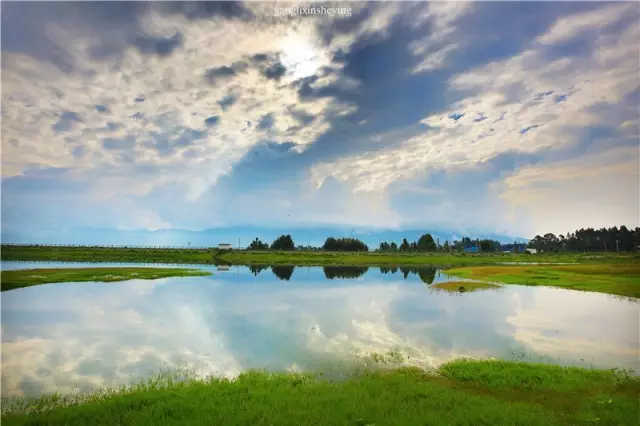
(61, 336)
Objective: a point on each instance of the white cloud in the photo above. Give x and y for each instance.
(175, 97)
(511, 107)
(577, 24)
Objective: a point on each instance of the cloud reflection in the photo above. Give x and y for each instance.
(62, 337)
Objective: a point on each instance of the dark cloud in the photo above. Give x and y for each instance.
(79, 151)
(275, 71)
(196, 10)
(266, 122)
(259, 57)
(65, 123)
(227, 101)
(304, 118)
(224, 72)
(212, 121)
(25, 24)
(528, 128)
(161, 46)
(113, 126)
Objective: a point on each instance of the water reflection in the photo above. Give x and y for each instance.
(344, 272)
(256, 269)
(283, 272)
(426, 274)
(61, 336)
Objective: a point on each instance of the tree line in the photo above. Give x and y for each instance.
(604, 239)
(285, 242)
(589, 239)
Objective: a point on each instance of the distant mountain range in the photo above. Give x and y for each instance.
(237, 236)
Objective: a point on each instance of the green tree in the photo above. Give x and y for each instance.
(258, 245)
(283, 242)
(405, 245)
(345, 244)
(426, 243)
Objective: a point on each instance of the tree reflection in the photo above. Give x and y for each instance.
(283, 272)
(256, 269)
(427, 275)
(350, 272)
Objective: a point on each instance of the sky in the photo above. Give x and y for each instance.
(511, 118)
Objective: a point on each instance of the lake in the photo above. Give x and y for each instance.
(81, 336)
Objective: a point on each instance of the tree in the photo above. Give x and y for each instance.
(405, 245)
(344, 244)
(426, 243)
(258, 245)
(283, 242)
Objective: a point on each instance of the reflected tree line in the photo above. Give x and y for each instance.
(427, 275)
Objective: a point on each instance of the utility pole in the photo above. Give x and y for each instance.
(617, 241)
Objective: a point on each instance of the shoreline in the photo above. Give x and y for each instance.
(21, 278)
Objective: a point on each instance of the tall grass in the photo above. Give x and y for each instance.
(460, 392)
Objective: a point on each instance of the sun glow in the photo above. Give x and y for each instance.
(300, 57)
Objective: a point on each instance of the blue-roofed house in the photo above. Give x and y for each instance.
(470, 249)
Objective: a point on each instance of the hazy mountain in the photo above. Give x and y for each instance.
(236, 235)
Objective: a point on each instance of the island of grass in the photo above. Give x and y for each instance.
(464, 286)
(10, 280)
(618, 279)
(460, 392)
(293, 257)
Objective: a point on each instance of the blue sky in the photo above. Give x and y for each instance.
(512, 118)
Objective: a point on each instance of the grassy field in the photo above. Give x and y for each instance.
(10, 280)
(295, 258)
(619, 279)
(107, 254)
(458, 393)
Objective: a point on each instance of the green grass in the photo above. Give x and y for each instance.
(458, 393)
(615, 278)
(10, 280)
(410, 259)
(295, 258)
(108, 254)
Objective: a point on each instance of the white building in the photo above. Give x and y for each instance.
(531, 250)
(224, 246)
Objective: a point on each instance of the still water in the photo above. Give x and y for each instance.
(81, 336)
